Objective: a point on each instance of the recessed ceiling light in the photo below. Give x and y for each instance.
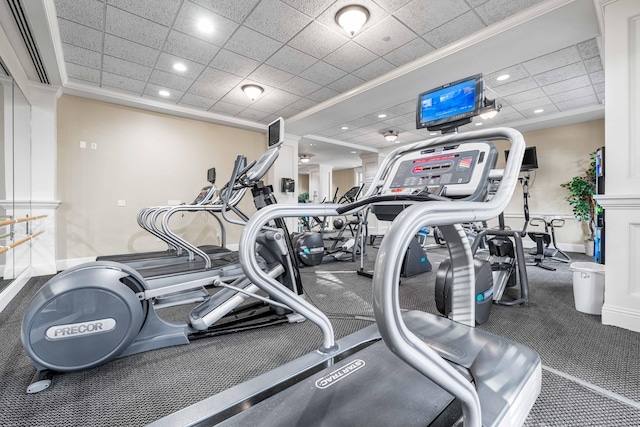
(382, 116)
(179, 66)
(353, 152)
(164, 93)
(503, 77)
(539, 110)
(310, 144)
(344, 127)
(205, 25)
(433, 133)
(479, 124)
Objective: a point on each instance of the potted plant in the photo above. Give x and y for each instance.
(581, 190)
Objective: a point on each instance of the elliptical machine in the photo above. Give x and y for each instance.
(96, 312)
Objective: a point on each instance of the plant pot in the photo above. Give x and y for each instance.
(588, 247)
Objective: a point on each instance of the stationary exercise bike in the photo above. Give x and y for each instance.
(96, 312)
(543, 249)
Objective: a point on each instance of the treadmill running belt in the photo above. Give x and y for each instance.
(372, 387)
(187, 267)
(138, 256)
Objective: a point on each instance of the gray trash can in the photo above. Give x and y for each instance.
(588, 287)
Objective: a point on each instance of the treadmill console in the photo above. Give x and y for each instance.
(453, 171)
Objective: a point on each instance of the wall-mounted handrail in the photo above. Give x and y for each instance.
(19, 242)
(25, 219)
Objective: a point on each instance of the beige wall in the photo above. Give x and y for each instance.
(144, 158)
(343, 180)
(563, 152)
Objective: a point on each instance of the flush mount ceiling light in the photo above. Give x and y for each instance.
(503, 77)
(164, 93)
(390, 135)
(491, 108)
(179, 66)
(351, 18)
(304, 158)
(252, 91)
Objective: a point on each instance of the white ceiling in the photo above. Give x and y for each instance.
(318, 78)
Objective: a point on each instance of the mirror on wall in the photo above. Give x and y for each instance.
(15, 179)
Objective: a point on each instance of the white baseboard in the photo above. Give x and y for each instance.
(621, 317)
(43, 269)
(14, 287)
(63, 264)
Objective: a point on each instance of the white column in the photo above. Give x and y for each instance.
(43, 169)
(370, 164)
(320, 183)
(621, 200)
(286, 166)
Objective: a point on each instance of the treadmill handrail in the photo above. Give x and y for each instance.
(404, 343)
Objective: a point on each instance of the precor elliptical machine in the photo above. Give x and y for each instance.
(96, 312)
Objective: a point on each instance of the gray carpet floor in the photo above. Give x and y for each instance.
(591, 373)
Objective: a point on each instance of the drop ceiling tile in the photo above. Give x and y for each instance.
(560, 74)
(121, 82)
(270, 75)
(287, 112)
(277, 20)
(397, 122)
(548, 109)
(404, 108)
(515, 72)
(593, 64)
(411, 51)
(167, 61)
(362, 122)
(197, 101)
(322, 73)
(317, 40)
(275, 100)
(125, 68)
(291, 60)
(454, 30)
(515, 87)
(597, 77)
(303, 104)
(310, 8)
(572, 94)
(152, 91)
(566, 85)
(589, 49)
(134, 28)
(130, 51)
(252, 44)
(330, 132)
(385, 36)
(501, 119)
(81, 56)
(476, 3)
(89, 13)
(226, 108)
(300, 86)
(374, 69)
(577, 103)
(170, 80)
(253, 114)
(236, 10)
(79, 35)
(524, 96)
(531, 105)
(346, 83)
(190, 48)
(214, 83)
(80, 72)
(322, 95)
(496, 10)
(163, 11)
(190, 14)
(232, 62)
(557, 59)
(599, 88)
(423, 16)
(349, 57)
(392, 6)
(237, 97)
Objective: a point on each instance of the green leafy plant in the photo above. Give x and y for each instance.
(581, 190)
(303, 197)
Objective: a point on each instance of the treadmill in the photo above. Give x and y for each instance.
(410, 368)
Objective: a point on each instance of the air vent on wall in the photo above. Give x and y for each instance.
(27, 36)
